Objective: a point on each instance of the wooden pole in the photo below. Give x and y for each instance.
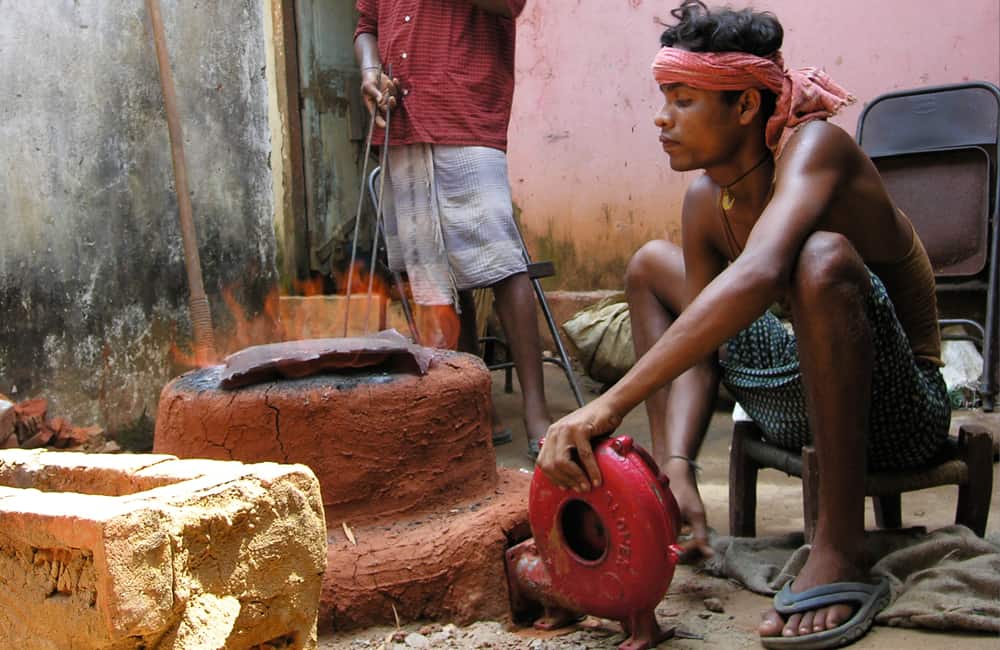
(201, 315)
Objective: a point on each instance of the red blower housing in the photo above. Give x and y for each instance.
(609, 552)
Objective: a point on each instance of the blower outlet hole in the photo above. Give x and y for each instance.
(583, 531)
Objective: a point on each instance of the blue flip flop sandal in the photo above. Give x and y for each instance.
(534, 448)
(869, 598)
(503, 436)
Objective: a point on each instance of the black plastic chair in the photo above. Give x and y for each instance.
(536, 271)
(936, 149)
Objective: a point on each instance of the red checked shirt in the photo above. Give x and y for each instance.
(455, 65)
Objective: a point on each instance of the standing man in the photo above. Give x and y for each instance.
(449, 219)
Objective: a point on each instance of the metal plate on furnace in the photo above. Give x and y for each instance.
(295, 359)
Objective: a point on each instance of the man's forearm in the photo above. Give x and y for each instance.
(366, 51)
(499, 7)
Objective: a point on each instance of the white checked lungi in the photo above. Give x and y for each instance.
(449, 220)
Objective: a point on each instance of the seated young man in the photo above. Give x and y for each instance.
(814, 229)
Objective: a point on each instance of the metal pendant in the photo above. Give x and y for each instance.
(727, 199)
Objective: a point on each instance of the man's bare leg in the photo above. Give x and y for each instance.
(654, 288)
(515, 304)
(835, 351)
(468, 331)
(468, 341)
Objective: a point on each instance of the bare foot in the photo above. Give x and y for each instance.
(822, 567)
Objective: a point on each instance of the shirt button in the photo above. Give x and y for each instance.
(403, 55)
(406, 19)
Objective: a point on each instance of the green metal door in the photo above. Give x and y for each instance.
(333, 128)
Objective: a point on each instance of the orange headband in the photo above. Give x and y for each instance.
(803, 95)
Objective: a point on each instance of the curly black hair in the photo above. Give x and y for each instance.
(700, 29)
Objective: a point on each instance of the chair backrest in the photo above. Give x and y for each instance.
(936, 149)
(946, 196)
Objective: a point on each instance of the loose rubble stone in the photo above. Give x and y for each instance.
(714, 605)
(438, 638)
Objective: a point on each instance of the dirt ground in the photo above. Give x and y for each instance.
(779, 511)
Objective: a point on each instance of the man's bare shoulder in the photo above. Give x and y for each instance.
(700, 198)
(819, 144)
(698, 217)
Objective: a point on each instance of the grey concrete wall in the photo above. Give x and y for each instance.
(92, 280)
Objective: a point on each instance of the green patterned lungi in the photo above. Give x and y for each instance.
(910, 410)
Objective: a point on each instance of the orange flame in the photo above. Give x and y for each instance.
(439, 326)
(310, 314)
(310, 287)
(359, 280)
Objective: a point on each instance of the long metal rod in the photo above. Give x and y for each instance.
(553, 327)
(201, 315)
(378, 210)
(357, 218)
(397, 277)
(407, 311)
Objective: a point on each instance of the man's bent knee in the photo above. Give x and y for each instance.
(829, 261)
(651, 262)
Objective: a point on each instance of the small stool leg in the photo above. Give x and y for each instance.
(743, 482)
(810, 492)
(975, 495)
(888, 511)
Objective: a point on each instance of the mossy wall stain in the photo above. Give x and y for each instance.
(92, 282)
(597, 261)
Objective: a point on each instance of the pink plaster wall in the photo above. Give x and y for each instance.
(586, 168)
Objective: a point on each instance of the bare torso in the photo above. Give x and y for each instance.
(860, 209)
